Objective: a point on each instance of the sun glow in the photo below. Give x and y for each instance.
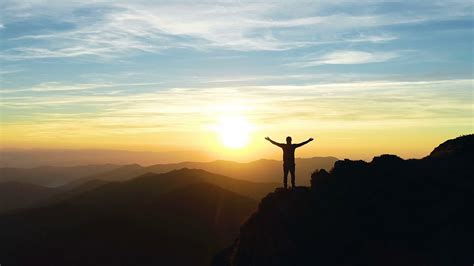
(234, 131)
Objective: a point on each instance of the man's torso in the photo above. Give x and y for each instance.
(289, 154)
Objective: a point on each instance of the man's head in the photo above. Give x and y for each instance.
(288, 140)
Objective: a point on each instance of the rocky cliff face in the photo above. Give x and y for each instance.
(388, 211)
(274, 235)
(458, 147)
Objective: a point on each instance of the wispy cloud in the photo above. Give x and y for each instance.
(59, 86)
(118, 28)
(9, 71)
(367, 101)
(346, 58)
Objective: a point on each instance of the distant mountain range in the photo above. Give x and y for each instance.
(43, 185)
(256, 171)
(131, 210)
(18, 195)
(388, 211)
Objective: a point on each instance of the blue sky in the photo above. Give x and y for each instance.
(366, 64)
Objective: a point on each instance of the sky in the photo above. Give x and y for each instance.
(363, 78)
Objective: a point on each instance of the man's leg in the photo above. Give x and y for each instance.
(285, 175)
(292, 172)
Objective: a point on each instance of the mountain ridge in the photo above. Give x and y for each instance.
(263, 170)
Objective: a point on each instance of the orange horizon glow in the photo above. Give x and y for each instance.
(232, 126)
(217, 142)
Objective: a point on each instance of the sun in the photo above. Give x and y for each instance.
(234, 131)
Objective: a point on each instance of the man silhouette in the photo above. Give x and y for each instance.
(289, 158)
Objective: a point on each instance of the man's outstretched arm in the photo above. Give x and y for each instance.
(304, 142)
(273, 142)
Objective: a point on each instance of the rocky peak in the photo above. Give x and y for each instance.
(460, 146)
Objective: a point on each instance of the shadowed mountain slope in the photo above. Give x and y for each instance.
(23, 195)
(14, 195)
(151, 185)
(386, 212)
(67, 191)
(151, 220)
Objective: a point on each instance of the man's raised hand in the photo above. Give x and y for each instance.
(267, 138)
(311, 139)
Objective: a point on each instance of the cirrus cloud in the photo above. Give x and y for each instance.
(118, 28)
(346, 57)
